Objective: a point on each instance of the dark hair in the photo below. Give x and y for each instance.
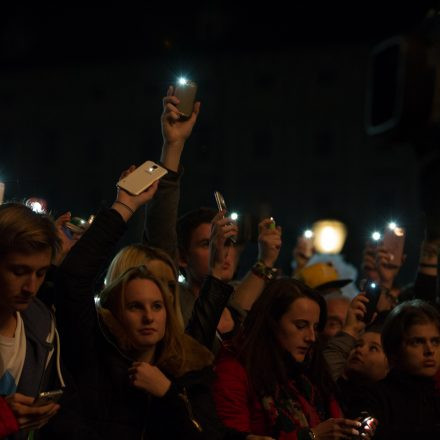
(23, 230)
(258, 347)
(188, 222)
(401, 318)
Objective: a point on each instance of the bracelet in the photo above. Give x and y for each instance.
(126, 206)
(433, 266)
(312, 435)
(262, 271)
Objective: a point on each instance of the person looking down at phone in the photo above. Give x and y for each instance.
(28, 347)
(138, 374)
(407, 402)
(272, 380)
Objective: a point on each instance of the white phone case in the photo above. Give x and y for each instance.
(142, 177)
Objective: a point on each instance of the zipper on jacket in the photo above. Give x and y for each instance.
(184, 396)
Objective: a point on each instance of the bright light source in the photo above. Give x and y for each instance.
(329, 236)
(37, 205)
(308, 233)
(392, 225)
(97, 301)
(376, 236)
(182, 81)
(181, 278)
(234, 216)
(373, 285)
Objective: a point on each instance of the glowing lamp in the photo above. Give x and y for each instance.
(329, 236)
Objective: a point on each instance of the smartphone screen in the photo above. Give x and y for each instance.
(372, 292)
(47, 397)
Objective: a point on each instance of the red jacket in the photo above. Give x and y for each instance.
(8, 424)
(239, 407)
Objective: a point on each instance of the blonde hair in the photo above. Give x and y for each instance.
(138, 254)
(177, 353)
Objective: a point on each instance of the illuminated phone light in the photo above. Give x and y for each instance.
(373, 285)
(97, 300)
(308, 233)
(181, 278)
(376, 236)
(182, 81)
(234, 216)
(392, 225)
(329, 236)
(37, 205)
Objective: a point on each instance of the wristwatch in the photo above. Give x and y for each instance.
(261, 270)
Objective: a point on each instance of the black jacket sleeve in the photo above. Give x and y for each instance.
(75, 279)
(207, 311)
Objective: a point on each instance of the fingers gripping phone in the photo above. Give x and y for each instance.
(372, 292)
(221, 205)
(47, 397)
(142, 178)
(186, 91)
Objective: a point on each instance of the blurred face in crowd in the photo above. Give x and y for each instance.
(144, 314)
(21, 276)
(298, 327)
(196, 258)
(336, 314)
(420, 353)
(367, 359)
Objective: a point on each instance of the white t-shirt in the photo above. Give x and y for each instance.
(12, 355)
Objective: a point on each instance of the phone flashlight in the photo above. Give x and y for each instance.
(308, 233)
(182, 81)
(37, 205)
(376, 236)
(392, 225)
(234, 216)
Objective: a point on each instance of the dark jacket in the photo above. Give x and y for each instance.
(201, 315)
(407, 407)
(114, 408)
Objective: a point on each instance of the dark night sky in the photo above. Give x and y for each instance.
(54, 33)
(50, 37)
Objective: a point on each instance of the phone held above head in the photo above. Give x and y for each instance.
(142, 178)
(221, 205)
(185, 90)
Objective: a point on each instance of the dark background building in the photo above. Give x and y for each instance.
(281, 131)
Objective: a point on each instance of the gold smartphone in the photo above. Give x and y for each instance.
(186, 91)
(142, 178)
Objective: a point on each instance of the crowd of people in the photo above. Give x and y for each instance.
(139, 355)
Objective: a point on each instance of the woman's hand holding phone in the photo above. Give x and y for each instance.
(127, 204)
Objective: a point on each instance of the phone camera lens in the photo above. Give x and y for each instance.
(154, 167)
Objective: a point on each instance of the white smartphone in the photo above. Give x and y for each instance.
(47, 397)
(142, 178)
